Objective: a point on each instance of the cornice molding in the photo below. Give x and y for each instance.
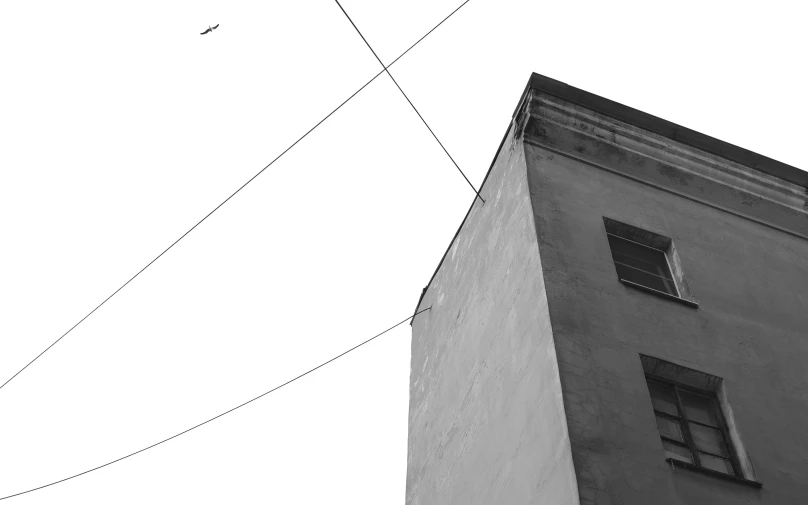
(650, 123)
(625, 148)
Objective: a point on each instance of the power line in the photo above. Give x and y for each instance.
(408, 100)
(218, 416)
(235, 192)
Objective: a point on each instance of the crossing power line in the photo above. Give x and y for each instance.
(217, 416)
(237, 191)
(385, 69)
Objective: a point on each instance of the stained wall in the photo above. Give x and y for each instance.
(751, 327)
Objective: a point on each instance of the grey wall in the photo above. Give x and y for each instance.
(486, 422)
(750, 329)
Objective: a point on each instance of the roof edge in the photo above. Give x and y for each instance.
(665, 128)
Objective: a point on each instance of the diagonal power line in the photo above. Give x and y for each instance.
(215, 417)
(236, 192)
(384, 69)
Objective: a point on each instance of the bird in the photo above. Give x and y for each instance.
(209, 30)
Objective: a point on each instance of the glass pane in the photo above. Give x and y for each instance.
(663, 398)
(645, 279)
(708, 439)
(718, 464)
(671, 429)
(638, 256)
(698, 408)
(677, 452)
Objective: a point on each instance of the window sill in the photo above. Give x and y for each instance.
(684, 301)
(707, 471)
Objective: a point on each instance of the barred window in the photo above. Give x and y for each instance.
(642, 265)
(647, 261)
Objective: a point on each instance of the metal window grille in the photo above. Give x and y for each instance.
(642, 265)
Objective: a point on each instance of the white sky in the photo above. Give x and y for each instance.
(121, 126)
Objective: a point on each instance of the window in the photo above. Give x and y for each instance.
(641, 264)
(691, 426)
(696, 422)
(647, 261)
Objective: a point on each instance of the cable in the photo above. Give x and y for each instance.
(234, 194)
(215, 417)
(192, 228)
(408, 99)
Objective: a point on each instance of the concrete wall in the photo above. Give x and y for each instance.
(751, 328)
(486, 421)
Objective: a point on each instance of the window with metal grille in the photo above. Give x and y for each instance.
(692, 426)
(642, 264)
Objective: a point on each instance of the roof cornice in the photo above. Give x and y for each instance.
(665, 128)
(579, 132)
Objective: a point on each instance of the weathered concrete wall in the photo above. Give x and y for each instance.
(751, 328)
(486, 422)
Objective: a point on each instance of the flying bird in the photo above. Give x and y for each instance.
(209, 30)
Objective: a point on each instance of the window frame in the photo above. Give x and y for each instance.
(683, 420)
(661, 243)
(672, 279)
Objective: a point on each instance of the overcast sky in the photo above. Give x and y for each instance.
(121, 127)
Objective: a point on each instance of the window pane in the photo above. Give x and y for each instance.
(645, 279)
(698, 408)
(670, 428)
(663, 398)
(718, 464)
(708, 439)
(647, 259)
(677, 452)
(656, 268)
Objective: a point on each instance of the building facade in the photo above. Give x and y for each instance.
(623, 321)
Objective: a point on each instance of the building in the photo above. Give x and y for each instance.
(623, 321)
